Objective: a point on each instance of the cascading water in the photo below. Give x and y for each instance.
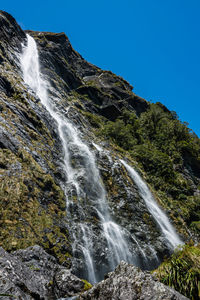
(83, 179)
(166, 228)
(86, 252)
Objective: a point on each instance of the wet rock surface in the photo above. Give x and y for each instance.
(129, 283)
(34, 274)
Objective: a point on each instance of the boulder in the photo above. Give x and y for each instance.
(33, 274)
(130, 283)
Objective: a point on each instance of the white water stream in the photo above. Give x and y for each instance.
(162, 220)
(83, 178)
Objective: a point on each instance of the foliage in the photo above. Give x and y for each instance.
(164, 147)
(155, 162)
(182, 271)
(120, 133)
(94, 120)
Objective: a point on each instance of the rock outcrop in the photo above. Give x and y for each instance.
(129, 283)
(34, 274)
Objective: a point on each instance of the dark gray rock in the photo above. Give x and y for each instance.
(67, 283)
(111, 112)
(106, 93)
(11, 39)
(34, 274)
(7, 141)
(12, 32)
(130, 283)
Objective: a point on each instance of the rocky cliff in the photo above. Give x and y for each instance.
(33, 274)
(114, 124)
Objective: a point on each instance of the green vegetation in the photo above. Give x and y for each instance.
(95, 120)
(163, 146)
(87, 285)
(27, 218)
(182, 271)
(33, 205)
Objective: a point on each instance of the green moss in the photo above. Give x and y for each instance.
(24, 220)
(147, 219)
(32, 204)
(87, 285)
(50, 283)
(195, 226)
(34, 268)
(95, 120)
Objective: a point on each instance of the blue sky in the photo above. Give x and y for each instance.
(153, 44)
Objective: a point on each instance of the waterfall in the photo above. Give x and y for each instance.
(86, 252)
(161, 219)
(83, 178)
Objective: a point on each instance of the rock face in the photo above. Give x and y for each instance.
(31, 156)
(129, 283)
(33, 206)
(99, 91)
(34, 274)
(33, 189)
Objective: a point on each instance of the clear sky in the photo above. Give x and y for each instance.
(153, 44)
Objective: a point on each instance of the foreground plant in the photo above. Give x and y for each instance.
(182, 271)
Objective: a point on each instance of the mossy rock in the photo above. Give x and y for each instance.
(33, 207)
(195, 226)
(87, 285)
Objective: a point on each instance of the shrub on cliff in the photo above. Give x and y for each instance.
(165, 148)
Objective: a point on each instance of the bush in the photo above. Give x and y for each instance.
(155, 162)
(182, 271)
(120, 133)
(164, 147)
